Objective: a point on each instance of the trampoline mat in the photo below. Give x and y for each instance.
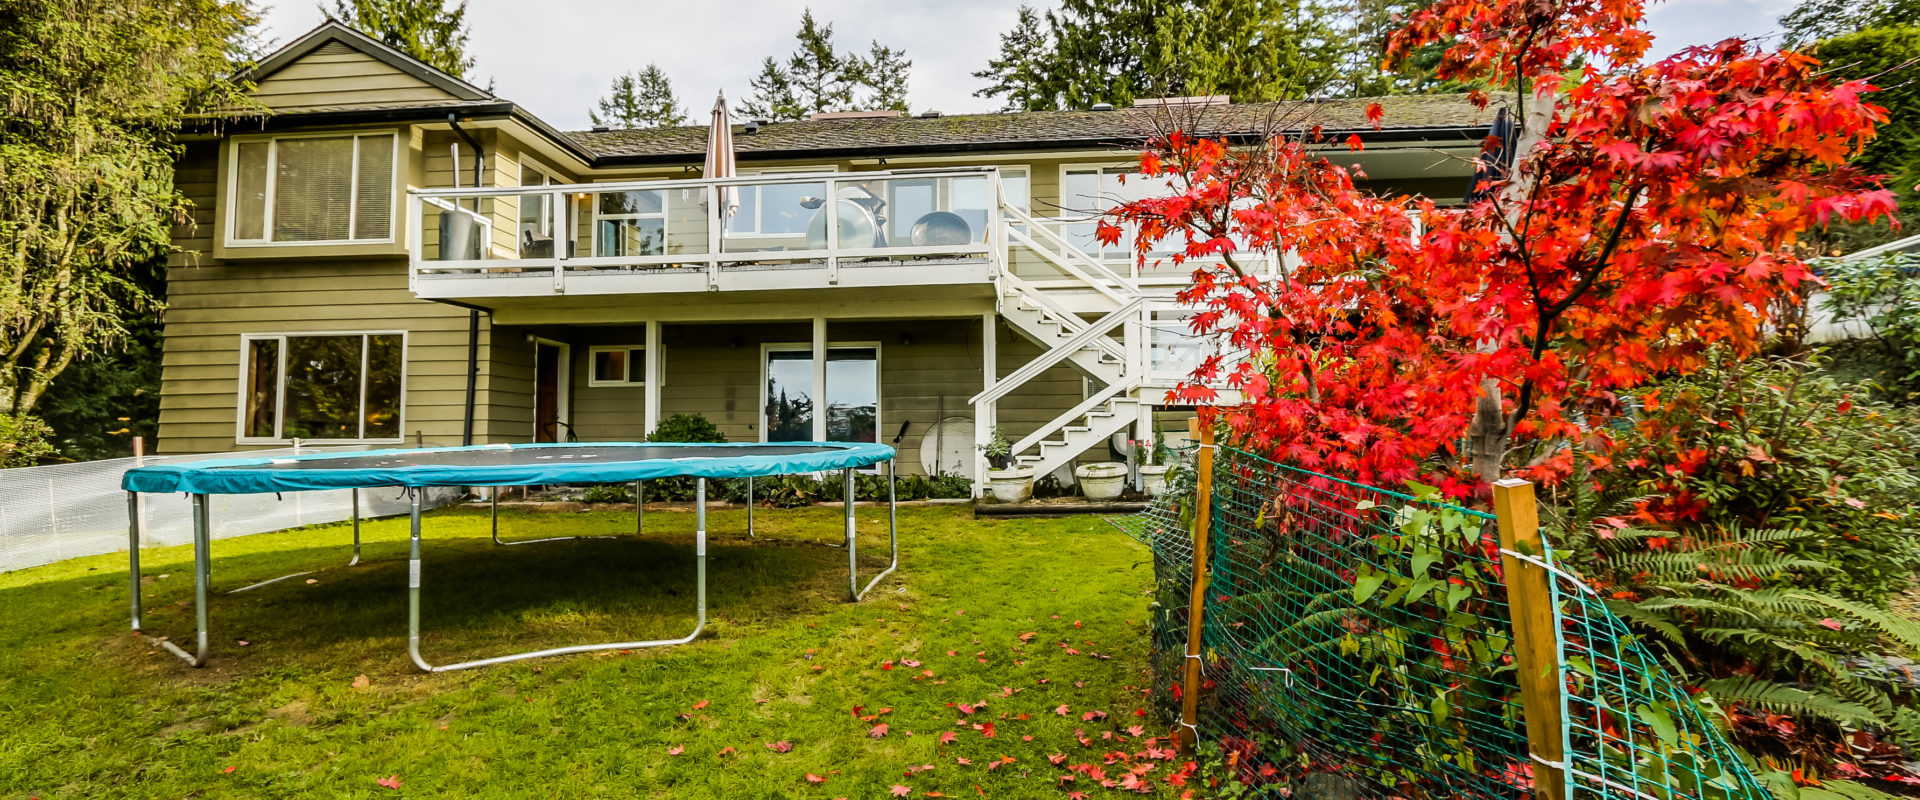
(503, 465)
(532, 456)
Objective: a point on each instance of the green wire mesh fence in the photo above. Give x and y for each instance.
(1358, 643)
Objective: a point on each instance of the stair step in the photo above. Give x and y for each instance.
(1076, 428)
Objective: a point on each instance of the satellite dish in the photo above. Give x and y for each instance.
(947, 448)
(858, 228)
(941, 228)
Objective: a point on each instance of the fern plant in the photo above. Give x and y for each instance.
(1743, 615)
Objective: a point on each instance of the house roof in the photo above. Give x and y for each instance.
(1407, 118)
(335, 31)
(1425, 116)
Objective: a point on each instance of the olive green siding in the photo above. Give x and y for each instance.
(928, 370)
(212, 303)
(337, 76)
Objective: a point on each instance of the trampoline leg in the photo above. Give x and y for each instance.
(700, 573)
(893, 534)
(846, 498)
(133, 554)
(202, 573)
(413, 579)
(639, 510)
(700, 552)
(494, 504)
(356, 528)
(750, 533)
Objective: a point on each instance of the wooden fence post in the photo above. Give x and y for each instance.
(1536, 654)
(1197, 603)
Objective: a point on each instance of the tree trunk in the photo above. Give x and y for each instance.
(1489, 436)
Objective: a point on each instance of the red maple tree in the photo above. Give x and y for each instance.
(1648, 215)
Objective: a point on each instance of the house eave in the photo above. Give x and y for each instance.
(1330, 138)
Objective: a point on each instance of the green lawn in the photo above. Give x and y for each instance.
(88, 709)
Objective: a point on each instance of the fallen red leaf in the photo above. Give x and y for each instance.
(812, 778)
(879, 731)
(780, 747)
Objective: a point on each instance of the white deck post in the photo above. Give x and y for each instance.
(820, 376)
(653, 364)
(985, 415)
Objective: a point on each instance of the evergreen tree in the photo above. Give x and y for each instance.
(95, 89)
(884, 78)
(822, 77)
(1116, 51)
(817, 78)
(641, 99)
(1022, 73)
(773, 96)
(1889, 58)
(1814, 20)
(428, 30)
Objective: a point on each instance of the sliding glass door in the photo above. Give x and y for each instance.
(852, 396)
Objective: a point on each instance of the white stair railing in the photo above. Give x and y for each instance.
(1090, 336)
(1058, 423)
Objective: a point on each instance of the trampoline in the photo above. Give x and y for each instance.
(497, 466)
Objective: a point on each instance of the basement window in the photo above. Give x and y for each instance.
(343, 387)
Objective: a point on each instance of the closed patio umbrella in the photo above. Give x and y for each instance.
(720, 163)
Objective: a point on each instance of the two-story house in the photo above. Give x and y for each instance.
(396, 256)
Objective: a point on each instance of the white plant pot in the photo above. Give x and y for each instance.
(1010, 485)
(1153, 478)
(1103, 481)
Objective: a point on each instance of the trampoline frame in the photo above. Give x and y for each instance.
(203, 567)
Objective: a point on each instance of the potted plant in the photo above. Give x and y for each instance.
(1152, 465)
(1008, 482)
(1102, 481)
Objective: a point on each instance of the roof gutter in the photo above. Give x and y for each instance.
(479, 155)
(473, 314)
(1329, 139)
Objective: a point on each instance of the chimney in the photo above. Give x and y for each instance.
(833, 115)
(1183, 102)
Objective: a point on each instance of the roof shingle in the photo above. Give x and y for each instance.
(1051, 129)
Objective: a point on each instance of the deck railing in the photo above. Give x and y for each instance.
(760, 232)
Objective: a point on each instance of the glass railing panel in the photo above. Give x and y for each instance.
(497, 227)
(644, 225)
(774, 217)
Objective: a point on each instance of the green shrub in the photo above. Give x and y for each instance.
(1883, 293)
(1753, 520)
(24, 441)
(686, 428)
(607, 493)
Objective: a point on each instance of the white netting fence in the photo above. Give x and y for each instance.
(61, 511)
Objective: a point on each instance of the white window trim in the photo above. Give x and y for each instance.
(240, 436)
(823, 170)
(521, 165)
(563, 387)
(593, 238)
(631, 364)
(879, 382)
(1026, 169)
(232, 184)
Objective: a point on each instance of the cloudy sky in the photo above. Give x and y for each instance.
(556, 57)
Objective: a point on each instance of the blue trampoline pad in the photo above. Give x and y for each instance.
(502, 465)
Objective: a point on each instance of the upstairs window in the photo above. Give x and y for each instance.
(313, 189)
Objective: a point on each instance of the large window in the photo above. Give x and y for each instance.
(852, 395)
(778, 209)
(630, 223)
(312, 189)
(1088, 192)
(321, 387)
